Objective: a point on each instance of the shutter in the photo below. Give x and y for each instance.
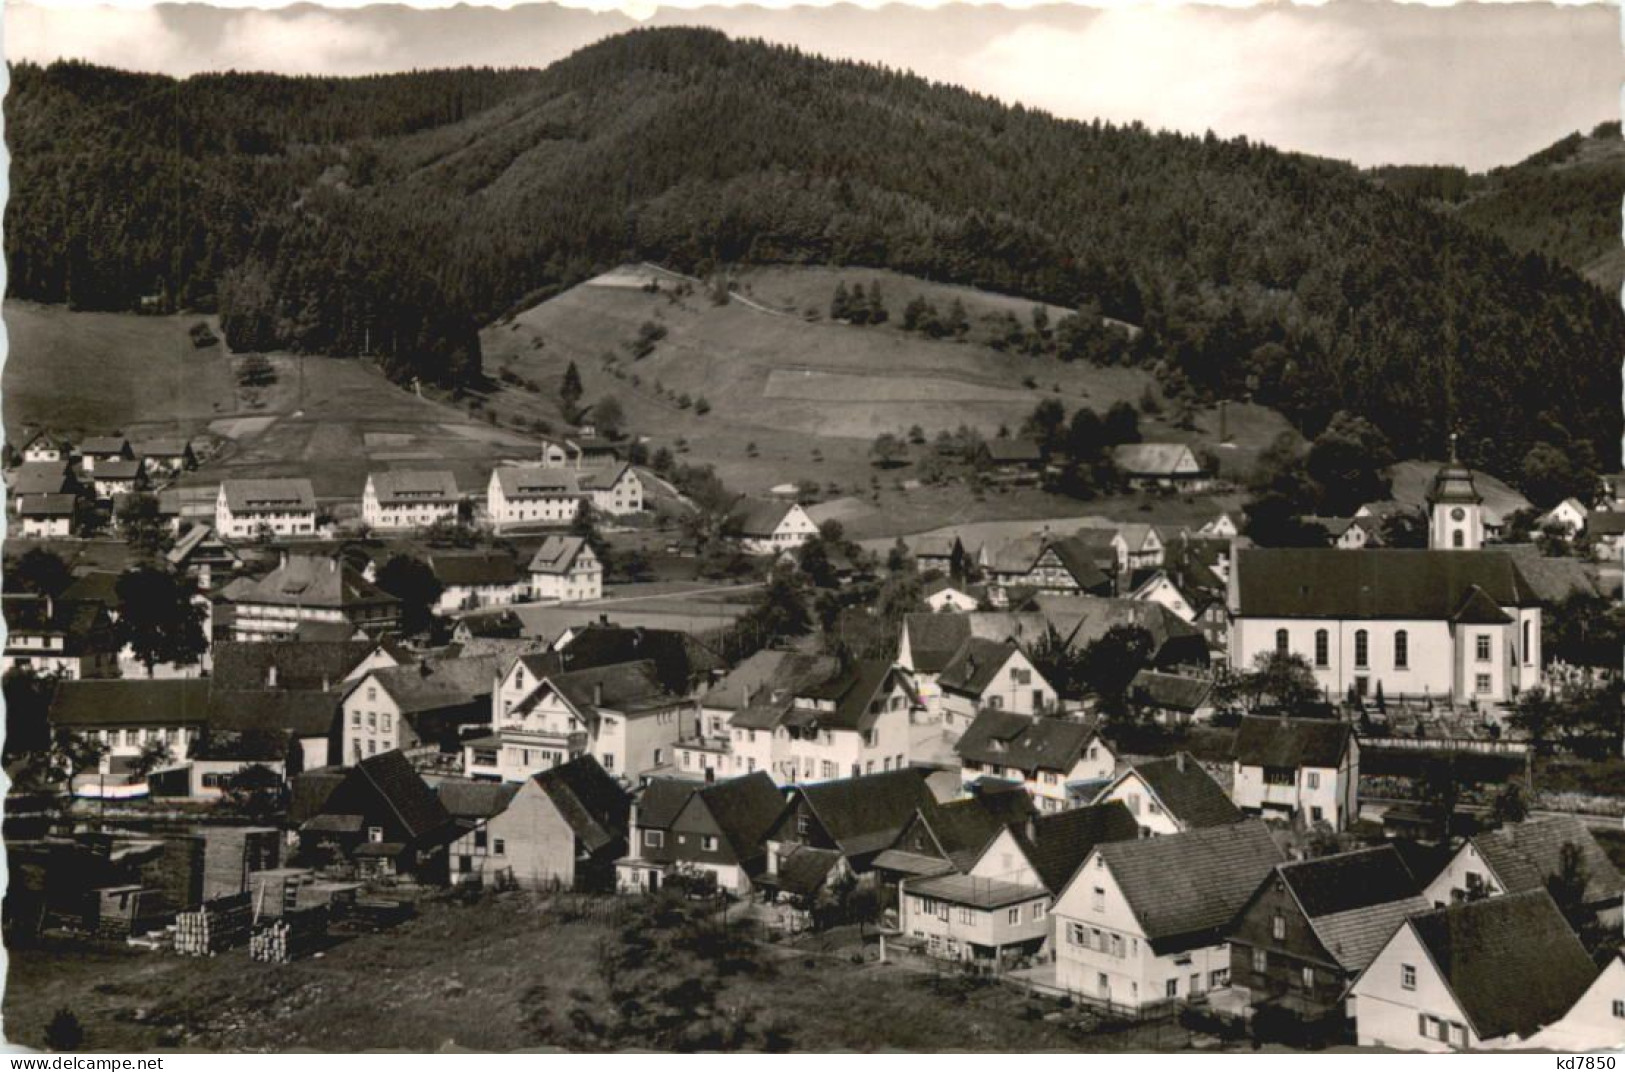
(1422, 1024)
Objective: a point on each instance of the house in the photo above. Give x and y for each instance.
(46, 446)
(946, 555)
(97, 450)
(533, 496)
(48, 516)
(564, 569)
(621, 714)
(247, 509)
(708, 753)
(1057, 565)
(502, 627)
(1452, 625)
(615, 492)
(1158, 587)
(855, 818)
(474, 856)
(409, 499)
(929, 642)
(1313, 925)
(382, 816)
(1016, 459)
(989, 923)
(310, 588)
(1171, 795)
(415, 706)
(831, 719)
(771, 527)
(70, 638)
(294, 727)
(1287, 768)
(43, 478)
(563, 828)
(1161, 466)
(1525, 856)
(127, 716)
(1054, 759)
(1607, 532)
(944, 595)
(298, 666)
(708, 832)
(473, 579)
(986, 674)
(167, 457)
(1485, 975)
(1173, 699)
(1223, 526)
(203, 556)
(1567, 517)
(1045, 851)
(1596, 1019)
(1146, 921)
(949, 838)
(1138, 546)
(1348, 533)
(118, 477)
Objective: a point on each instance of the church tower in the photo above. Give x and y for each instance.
(1456, 521)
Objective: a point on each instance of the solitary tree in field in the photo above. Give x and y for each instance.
(570, 390)
(888, 450)
(608, 415)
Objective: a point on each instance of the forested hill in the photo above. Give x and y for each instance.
(1562, 202)
(392, 215)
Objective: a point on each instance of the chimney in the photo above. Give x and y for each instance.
(270, 676)
(598, 694)
(326, 683)
(1179, 761)
(1032, 829)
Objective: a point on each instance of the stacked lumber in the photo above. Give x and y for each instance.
(215, 926)
(298, 932)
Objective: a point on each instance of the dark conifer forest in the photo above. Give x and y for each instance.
(393, 216)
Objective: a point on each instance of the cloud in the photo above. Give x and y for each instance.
(96, 35)
(1184, 69)
(303, 43)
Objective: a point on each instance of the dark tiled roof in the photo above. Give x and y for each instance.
(535, 482)
(1291, 742)
(1056, 845)
(628, 688)
(41, 478)
(302, 713)
(269, 494)
(1186, 888)
(315, 581)
(864, 815)
(96, 586)
(434, 684)
(963, 828)
(1606, 523)
(748, 679)
(309, 790)
(760, 517)
(467, 799)
(1188, 791)
(1009, 451)
(1329, 885)
(853, 689)
(1418, 585)
(120, 469)
(405, 791)
(984, 893)
(1170, 692)
(662, 799)
(1081, 620)
(1511, 962)
(474, 568)
(49, 505)
(557, 554)
(679, 659)
(1083, 559)
(933, 639)
(407, 486)
(131, 702)
(1025, 742)
(299, 664)
(593, 803)
(1524, 855)
(745, 809)
(804, 869)
(99, 445)
(975, 665)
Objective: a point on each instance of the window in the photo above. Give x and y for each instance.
(1014, 916)
(499, 847)
(1323, 648)
(1316, 814)
(1402, 650)
(1172, 988)
(1481, 647)
(1218, 978)
(1100, 899)
(1619, 1010)
(1407, 977)
(708, 843)
(654, 839)
(1308, 977)
(996, 702)
(355, 719)
(372, 694)
(1278, 927)
(479, 839)
(1021, 677)
(1076, 935)
(1261, 961)
(1481, 683)
(1282, 644)
(1040, 909)
(1362, 648)
(383, 723)
(1312, 779)
(375, 834)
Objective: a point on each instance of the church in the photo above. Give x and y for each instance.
(1455, 622)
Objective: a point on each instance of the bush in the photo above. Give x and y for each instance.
(64, 1032)
(701, 406)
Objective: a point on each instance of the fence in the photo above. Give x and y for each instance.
(1448, 744)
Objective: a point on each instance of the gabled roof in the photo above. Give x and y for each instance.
(1082, 620)
(1025, 742)
(679, 658)
(1606, 523)
(864, 815)
(1083, 560)
(1187, 791)
(536, 482)
(131, 702)
(284, 494)
(557, 554)
(603, 479)
(1354, 901)
(406, 793)
(852, 688)
(314, 581)
(760, 518)
(804, 869)
(49, 505)
(735, 689)
(301, 713)
(467, 799)
(1291, 742)
(935, 546)
(309, 790)
(744, 809)
(1057, 844)
(120, 469)
(41, 478)
(962, 829)
(984, 893)
(1477, 608)
(108, 444)
(1512, 963)
(436, 684)
(1013, 450)
(301, 665)
(975, 665)
(1525, 855)
(404, 487)
(78, 622)
(165, 448)
(1170, 692)
(625, 688)
(1156, 459)
(1403, 584)
(1184, 889)
(934, 638)
(475, 568)
(593, 803)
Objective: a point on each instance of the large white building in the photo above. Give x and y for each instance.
(616, 492)
(822, 720)
(282, 507)
(565, 570)
(534, 496)
(409, 499)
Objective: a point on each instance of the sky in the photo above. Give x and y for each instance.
(1372, 81)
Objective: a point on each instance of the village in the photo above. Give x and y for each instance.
(1141, 781)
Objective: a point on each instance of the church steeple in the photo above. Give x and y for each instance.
(1456, 508)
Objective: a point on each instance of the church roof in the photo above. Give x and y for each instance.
(1399, 584)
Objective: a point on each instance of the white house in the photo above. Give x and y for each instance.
(473, 579)
(1223, 525)
(1569, 515)
(420, 705)
(981, 921)
(308, 589)
(1160, 588)
(1524, 856)
(943, 594)
(1060, 761)
(283, 507)
(129, 716)
(409, 499)
(119, 476)
(616, 492)
(533, 496)
(990, 674)
(1167, 466)
(1287, 767)
(565, 570)
(1171, 795)
(1486, 975)
(1138, 546)
(98, 450)
(46, 447)
(48, 516)
(1144, 921)
(1596, 1021)
(770, 527)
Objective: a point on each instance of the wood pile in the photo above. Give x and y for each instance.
(215, 926)
(295, 934)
